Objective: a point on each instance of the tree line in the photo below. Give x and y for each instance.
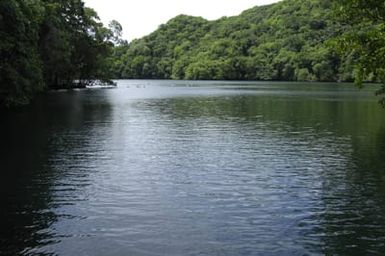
(51, 44)
(292, 40)
(282, 41)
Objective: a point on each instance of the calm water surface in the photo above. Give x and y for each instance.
(195, 168)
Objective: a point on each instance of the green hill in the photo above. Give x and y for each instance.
(282, 41)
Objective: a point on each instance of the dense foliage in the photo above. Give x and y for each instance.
(50, 44)
(364, 40)
(282, 41)
(62, 44)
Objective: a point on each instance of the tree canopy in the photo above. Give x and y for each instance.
(282, 41)
(47, 44)
(51, 44)
(364, 39)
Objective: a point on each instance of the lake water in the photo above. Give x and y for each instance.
(195, 168)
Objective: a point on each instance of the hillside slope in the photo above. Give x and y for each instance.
(282, 41)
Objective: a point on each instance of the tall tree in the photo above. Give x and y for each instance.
(51, 44)
(20, 69)
(74, 45)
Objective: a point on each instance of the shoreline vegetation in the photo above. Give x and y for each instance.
(58, 44)
(51, 44)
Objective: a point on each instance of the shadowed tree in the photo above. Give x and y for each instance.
(365, 43)
(20, 65)
(47, 44)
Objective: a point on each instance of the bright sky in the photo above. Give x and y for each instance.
(141, 17)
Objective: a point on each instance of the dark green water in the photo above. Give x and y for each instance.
(195, 168)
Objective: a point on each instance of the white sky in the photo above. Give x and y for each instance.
(141, 17)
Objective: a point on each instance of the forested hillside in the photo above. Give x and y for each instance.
(50, 44)
(282, 41)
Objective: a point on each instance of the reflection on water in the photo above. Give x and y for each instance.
(195, 168)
